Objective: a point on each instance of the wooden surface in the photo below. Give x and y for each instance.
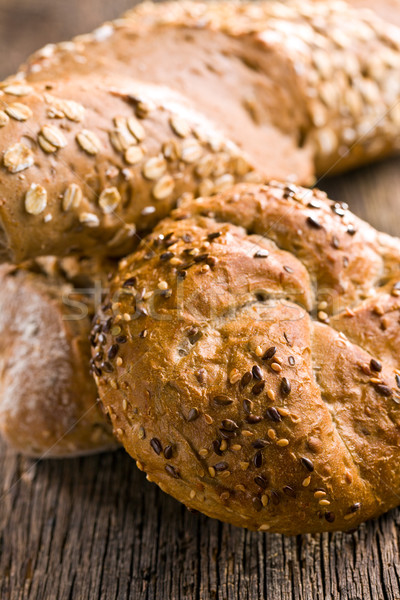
(94, 528)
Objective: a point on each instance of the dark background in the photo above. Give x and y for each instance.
(94, 528)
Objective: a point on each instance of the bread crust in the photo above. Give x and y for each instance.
(48, 401)
(318, 80)
(99, 159)
(229, 385)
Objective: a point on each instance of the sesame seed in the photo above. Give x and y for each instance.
(261, 254)
(244, 465)
(282, 442)
(271, 394)
(324, 503)
(236, 447)
(141, 433)
(319, 494)
(323, 316)
(276, 367)
(271, 434)
(212, 472)
(192, 494)
(208, 419)
(247, 433)
(203, 452)
(306, 482)
(258, 351)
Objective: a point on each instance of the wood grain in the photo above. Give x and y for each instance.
(94, 528)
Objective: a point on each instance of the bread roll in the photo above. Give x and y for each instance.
(89, 161)
(303, 86)
(222, 358)
(48, 401)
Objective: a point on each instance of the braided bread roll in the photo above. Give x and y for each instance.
(248, 356)
(303, 87)
(48, 401)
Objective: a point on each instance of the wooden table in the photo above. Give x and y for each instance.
(94, 528)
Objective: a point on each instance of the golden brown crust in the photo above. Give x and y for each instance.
(223, 378)
(308, 75)
(48, 401)
(94, 159)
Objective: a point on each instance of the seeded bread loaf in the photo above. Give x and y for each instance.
(303, 86)
(48, 401)
(90, 156)
(248, 357)
(87, 161)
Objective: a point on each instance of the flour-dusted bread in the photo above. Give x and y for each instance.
(86, 162)
(48, 401)
(248, 356)
(303, 86)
